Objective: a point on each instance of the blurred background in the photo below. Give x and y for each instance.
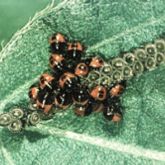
(14, 14)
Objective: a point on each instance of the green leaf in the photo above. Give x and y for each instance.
(108, 27)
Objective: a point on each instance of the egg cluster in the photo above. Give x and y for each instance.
(88, 83)
(68, 82)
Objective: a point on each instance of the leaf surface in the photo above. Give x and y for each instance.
(108, 27)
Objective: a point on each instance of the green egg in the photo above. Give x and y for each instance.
(34, 118)
(150, 63)
(15, 126)
(107, 69)
(160, 45)
(150, 50)
(138, 67)
(129, 57)
(17, 112)
(127, 72)
(117, 75)
(105, 81)
(140, 54)
(160, 58)
(118, 63)
(5, 119)
(93, 76)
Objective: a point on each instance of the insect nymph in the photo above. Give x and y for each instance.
(87, 83)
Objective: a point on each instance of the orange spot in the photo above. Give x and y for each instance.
(79, 71)
(60, 37)
(65, 77)
(75, 46)
(80, 111)
(79, 46)
(99, 93)
(55, 59)
(47, 77)
(44, 79)
(58, 57)
(45, 108)
(69, 46)
(57, 38)
(116, 117)
(96, 62)
(116, 90)
(34, 92)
